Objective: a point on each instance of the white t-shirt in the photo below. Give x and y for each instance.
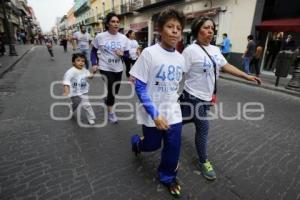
(133, 45)
(107, 44)
(77, 80)
(200, 77)
(162, 71)
(82, 40)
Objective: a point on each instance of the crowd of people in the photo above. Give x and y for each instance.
(156, 73)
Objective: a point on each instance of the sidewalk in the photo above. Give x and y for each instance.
(7, 62)
(268, 82)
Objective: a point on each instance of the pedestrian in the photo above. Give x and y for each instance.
(2, 44)
(49, 45)
(255, 61)
(76, 86)
(203, 62)
(225, 46)
(248, 54)
(83, 40)
(64, 43)
(106, 55)
(133, 53)
(289, 43)
(157, 74)
(273, 48)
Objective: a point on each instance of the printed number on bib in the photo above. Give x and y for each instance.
(171, 73)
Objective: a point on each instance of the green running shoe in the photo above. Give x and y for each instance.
(207, 171)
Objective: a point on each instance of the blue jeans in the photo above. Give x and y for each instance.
(195, 110)
(167, 170)
(246, 64)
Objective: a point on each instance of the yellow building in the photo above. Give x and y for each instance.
(95, 19)
(71, 21)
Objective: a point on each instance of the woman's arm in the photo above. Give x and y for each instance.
(238, 73)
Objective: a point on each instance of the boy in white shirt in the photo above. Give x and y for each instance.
(157, 74)
(76, 86)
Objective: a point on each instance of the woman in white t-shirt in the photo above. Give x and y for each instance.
(203, 62)
(133, 53)
(108, 49)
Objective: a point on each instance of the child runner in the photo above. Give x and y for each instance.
(157, 74)
(49, 45)
(76, 86)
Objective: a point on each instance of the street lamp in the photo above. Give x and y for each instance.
(12, 50)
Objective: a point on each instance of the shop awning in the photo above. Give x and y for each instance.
(280, 25)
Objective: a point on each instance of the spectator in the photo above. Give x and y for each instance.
(225, 46)
(248, 54)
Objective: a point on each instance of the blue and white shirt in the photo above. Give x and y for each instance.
(77, 80)
(200, 77)
(107, 45)
(162, 71)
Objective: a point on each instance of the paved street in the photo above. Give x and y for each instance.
(42, 158)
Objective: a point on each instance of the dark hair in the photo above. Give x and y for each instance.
(78, 55)
(129, 33)
(108, 18)
(197, 23)
(170, 13)
(225, 34)
(250, 37)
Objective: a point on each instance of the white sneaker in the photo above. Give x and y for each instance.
(91, 121)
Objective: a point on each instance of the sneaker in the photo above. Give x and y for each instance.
(135, 139)
(52, 58)
(207, 171)
(174, 188)
(112, 118)
(91, 121)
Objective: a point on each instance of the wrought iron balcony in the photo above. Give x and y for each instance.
(126, 8)
(141, 5)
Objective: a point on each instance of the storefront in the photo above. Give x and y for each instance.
(277, 32)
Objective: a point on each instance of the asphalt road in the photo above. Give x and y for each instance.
(44, 158)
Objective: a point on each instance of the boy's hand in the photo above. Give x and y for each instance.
(161, 123)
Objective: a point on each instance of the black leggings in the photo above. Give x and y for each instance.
(113, 80)
(128, 64)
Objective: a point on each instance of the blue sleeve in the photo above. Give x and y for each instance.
(94, 58)
(142, 93)
(126, 55)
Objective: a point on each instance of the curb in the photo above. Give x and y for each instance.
(265, 86)
(14, 63)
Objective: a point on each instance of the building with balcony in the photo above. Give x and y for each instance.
(229, 16)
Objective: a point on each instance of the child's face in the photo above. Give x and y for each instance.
(79, 63)
(171, 33)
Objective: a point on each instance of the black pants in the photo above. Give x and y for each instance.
(50, 52)
(113, 85)
(254, 62)
(65, 47)
(128, 64)
(271, 56)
